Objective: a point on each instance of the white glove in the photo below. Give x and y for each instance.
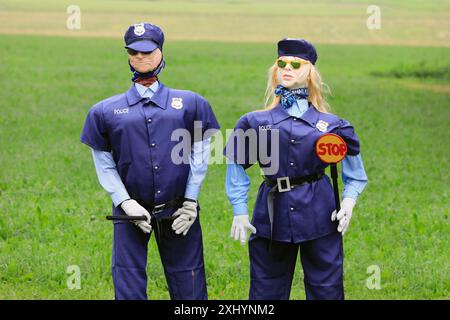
(239, 228)
(344, 215)
(132, 208)
(186, 217)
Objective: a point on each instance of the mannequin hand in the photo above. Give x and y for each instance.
(239, 228)
(132, 208)
(186, 217)
(344, 215)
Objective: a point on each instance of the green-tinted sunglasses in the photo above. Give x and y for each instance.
(294, 63)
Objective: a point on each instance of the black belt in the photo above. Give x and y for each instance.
(285, 184)
(154, 210)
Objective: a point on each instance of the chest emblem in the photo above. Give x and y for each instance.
(322, 126)
(121, 111)
(177, 103)
(265, 127)
(139, 29)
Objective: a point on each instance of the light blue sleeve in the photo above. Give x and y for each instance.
(109, 177)
(237, 184)
(354, 176)
(199, 166)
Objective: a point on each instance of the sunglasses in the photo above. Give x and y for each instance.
(132, 52)
(294, 63)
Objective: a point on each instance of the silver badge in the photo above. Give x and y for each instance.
(322, 125)
(139, 29)
(177, 103)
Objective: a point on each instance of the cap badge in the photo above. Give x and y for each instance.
(139, 29)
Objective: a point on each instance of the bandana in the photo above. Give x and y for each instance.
(147, 82)
(288, 97)
(138, 75)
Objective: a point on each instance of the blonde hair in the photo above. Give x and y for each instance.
(316, 88)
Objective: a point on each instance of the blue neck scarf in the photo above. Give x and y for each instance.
(137, 74)
(288, 97)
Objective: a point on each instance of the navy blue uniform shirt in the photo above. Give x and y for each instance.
(304, 212)
(138, 132)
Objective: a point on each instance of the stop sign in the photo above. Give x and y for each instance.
(331, 148)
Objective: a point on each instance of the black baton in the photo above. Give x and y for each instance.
(127, 218)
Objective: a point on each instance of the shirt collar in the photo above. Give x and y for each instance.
(310, 116)
(159, 97)
(147, 92)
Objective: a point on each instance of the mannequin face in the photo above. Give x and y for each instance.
(145, 62)
(291, 78)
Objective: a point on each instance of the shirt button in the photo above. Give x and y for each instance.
(292, 140)
(292, 164)
(153, 144)
(158, 192)
(156, 167)
(149, 120)
(295, 119)
(292, 209)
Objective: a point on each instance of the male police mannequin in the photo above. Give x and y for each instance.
(130, 137)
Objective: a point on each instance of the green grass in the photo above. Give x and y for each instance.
(267, 7)
(406, 22)
(52, 208)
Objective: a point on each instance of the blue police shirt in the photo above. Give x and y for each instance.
(110, 180)
(304, 212)
(237, 182)
(138, 130)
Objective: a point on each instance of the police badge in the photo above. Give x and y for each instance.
(322, 125)
(139, 29)
(177, 103)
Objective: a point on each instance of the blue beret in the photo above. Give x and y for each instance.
(297, 48)
(144, 37)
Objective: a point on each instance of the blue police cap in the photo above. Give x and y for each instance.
(144, 37)
(297, 48)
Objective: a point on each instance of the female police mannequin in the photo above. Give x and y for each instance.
(131, 139)
(303, 207)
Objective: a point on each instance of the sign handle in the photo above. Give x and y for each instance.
(334, 177)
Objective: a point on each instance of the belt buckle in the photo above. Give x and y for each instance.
(280, 182)
(158, 208)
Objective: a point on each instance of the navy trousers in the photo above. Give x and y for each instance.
(271, 272)
(181, 257)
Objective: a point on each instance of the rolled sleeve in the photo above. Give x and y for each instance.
(94, 133)
(205, 118)
(241, 147)
(347, 132)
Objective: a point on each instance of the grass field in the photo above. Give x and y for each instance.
(52, 208)
(406, 22)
